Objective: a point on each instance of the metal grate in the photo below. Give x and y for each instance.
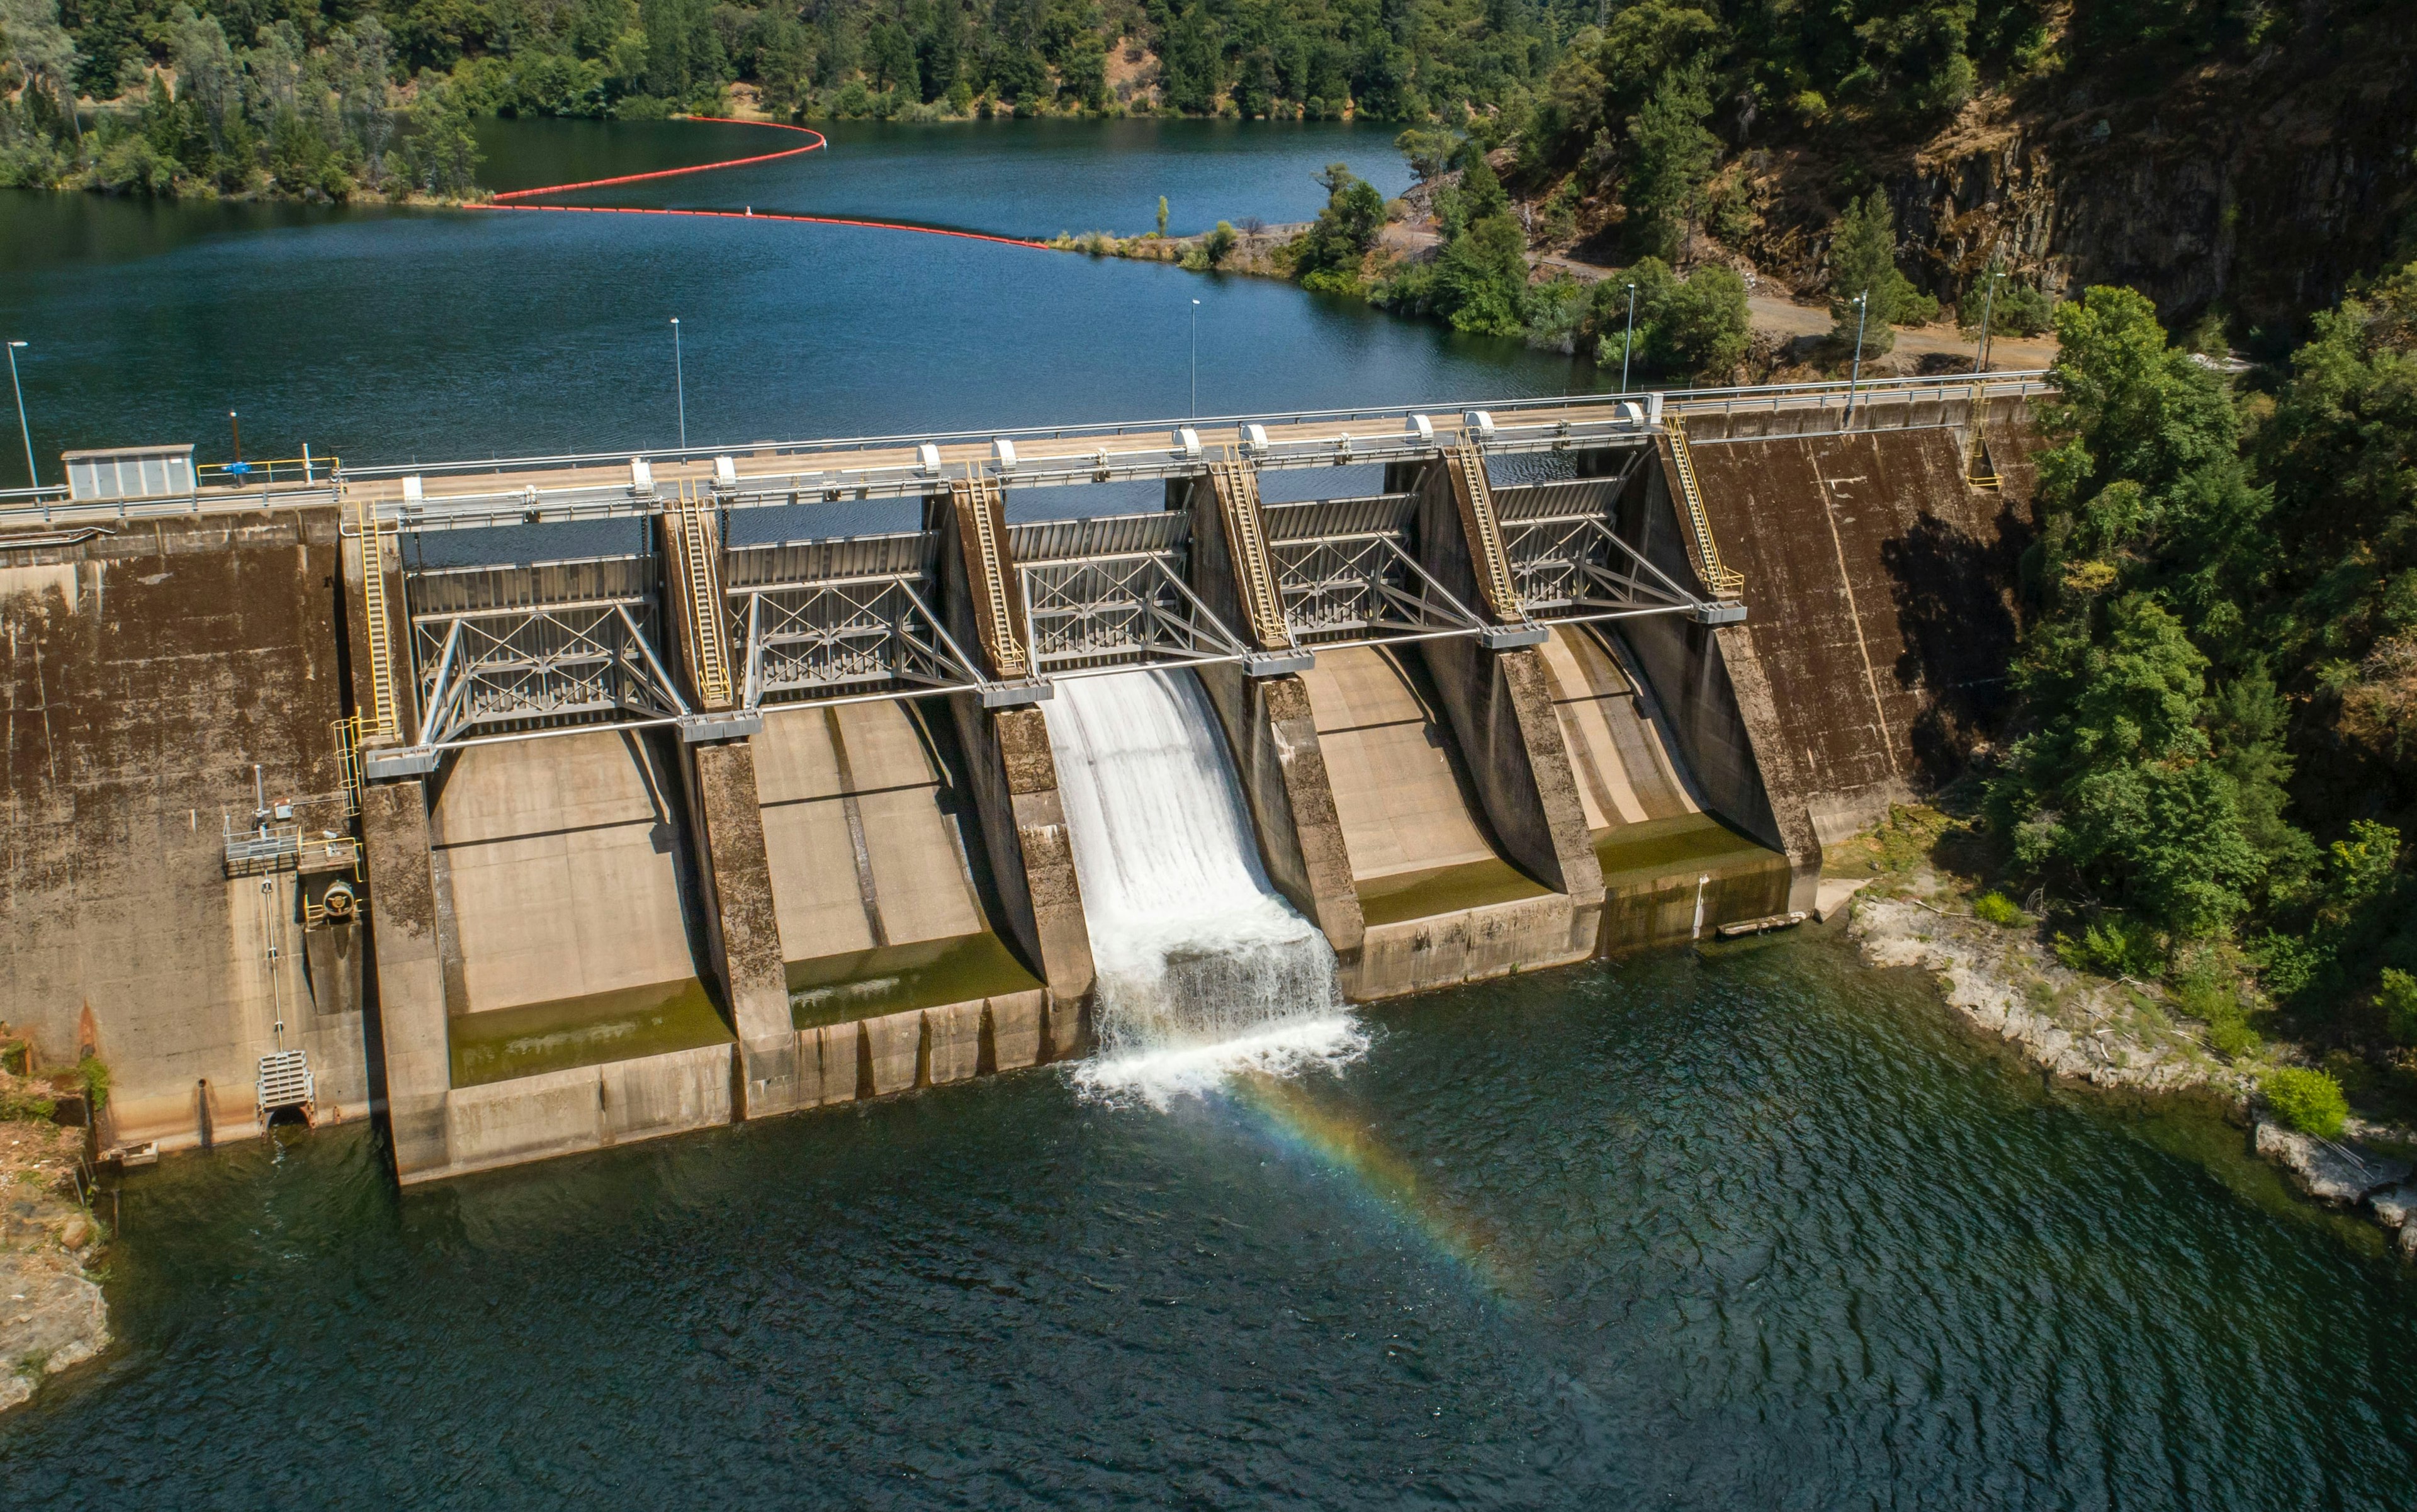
(286, 1081)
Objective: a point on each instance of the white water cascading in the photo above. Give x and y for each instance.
(1203, 966)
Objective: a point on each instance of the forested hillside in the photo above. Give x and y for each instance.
(2233, 156)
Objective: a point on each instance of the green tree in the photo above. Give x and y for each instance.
(442, 152)
(1862, 261)
(1430, 154)
(1694, 327)
(2134, 778)
(1334, 246)
(1673, 157)
(1482, 278)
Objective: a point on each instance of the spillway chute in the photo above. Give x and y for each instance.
(1203, 968)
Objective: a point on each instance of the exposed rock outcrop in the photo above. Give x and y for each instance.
(52, 1314)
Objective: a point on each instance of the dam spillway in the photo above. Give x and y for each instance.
(592, 847)
(1194, 950)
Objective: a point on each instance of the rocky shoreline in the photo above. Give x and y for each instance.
(52, 1312)
(2121, 1034)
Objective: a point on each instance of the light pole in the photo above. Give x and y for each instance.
(1193, 411)
(235, 430)
(1629, 344)
(1988, 293)
(679, 383)
(1862, 308)
(22, 429)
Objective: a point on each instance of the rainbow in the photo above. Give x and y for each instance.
(1345, 1141)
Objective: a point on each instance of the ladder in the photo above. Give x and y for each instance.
(981, 494)
(1243, 528)
(381, 723)
(704, 600)
(1493, 566)
(1724, 582)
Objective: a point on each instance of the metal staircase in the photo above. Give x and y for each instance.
(1261, 602)
(1493, 565)
(981, 496)
(1725, 583)
(379, 723)
(703, 597)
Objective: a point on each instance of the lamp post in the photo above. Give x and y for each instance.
(234, 430)
(1628, 345)
(22, 429)
(679, 384)
(1862, 308)
(1193, 411)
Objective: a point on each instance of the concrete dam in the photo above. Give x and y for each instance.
(541, 806)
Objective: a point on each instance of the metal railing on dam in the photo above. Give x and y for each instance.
(507, 652)
(604, 485)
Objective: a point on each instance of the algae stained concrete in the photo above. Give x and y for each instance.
(558, 861)
(1441, 903)
(1880, 587)
(1670, 870)
(147, 670)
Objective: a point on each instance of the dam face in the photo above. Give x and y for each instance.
(538, 857)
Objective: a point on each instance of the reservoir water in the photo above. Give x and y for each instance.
(1764, 1230)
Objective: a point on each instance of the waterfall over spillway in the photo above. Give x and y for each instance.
(1203, 966)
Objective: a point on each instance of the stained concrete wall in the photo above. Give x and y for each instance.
(1272, 730)
(548, 870)
(1671, 873)
(146, 670)
(407, 1015)
(1015, 783)
(1406, 810)
(557, 870)
(743, 923)
(1882, 610)
(862, 833)
(1880, 591)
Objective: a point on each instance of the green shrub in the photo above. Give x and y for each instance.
(94, 1077)
(2114, 947)
(1220, 242)
(2308, 1101)
(2204, 994)
(2232, 1038)
(25, 1107)
(2398, 999)
(2000, 909)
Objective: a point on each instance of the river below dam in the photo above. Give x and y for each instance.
(1754, 1228)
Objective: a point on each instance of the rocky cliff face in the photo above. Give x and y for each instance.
(2256, 188)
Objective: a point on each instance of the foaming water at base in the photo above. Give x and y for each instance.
(1286, 1049)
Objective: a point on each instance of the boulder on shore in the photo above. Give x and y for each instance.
(2328, 1171)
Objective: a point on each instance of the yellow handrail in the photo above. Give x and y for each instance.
(1261, 598)
(981, 493)
(1724, 582)
(379, 723)
(705, 601)
(262, 473)
(1491, 561)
